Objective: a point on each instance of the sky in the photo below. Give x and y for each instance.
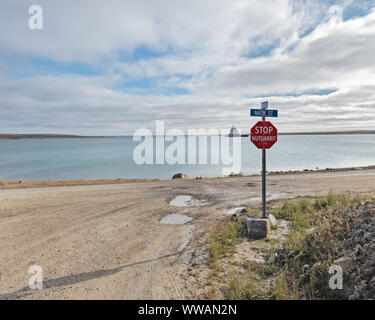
(112, 67)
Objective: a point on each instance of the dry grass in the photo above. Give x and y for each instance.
(317, 249)
(301, 247)
(223, 241)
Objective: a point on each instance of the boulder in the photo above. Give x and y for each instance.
(180, 176)
(243, 215)
(345, 263)
(272, 220)
(257, 228)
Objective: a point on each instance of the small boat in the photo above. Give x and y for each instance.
(234, 132)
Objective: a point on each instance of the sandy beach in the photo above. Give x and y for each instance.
(108, 241)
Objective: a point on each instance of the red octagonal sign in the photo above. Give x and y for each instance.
(263, 134)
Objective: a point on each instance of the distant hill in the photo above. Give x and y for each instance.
(320, 133)
(6, 136)
(329, 132)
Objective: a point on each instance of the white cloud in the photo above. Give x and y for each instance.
(207, 47)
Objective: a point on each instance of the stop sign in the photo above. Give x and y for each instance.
(263, 134)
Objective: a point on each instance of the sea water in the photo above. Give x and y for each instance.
(95, 158)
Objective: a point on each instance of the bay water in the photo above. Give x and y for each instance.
(110, 158)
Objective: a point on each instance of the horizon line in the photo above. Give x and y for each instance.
(4, 136)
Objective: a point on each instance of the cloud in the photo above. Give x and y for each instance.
(192, 63)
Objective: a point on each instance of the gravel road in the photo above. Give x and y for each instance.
(108, 242)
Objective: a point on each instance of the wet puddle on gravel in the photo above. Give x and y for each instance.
(181, 201)
(175, 218)
(187, 201)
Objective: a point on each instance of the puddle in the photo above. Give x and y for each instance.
(175, 218)
(234, 210)
(250, 184)
(181, 201)
(186, 200)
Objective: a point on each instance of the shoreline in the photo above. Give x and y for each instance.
(78, 182)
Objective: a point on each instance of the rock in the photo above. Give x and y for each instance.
(258, 259)
(349, 252)
(356, 295)
(306, 268)
(243, 215)
(372, 283)
(362, 286)
(368, 236)
(271, 258)
(180, 176)
(257, 228)
(298, 255)
(345, 263)
(368, 271)
(272, 220)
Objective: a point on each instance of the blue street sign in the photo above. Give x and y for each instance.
(260, 112)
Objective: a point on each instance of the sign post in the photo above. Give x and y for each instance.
(264, 215)
(263, 135)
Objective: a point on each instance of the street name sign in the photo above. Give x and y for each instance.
(263, 113)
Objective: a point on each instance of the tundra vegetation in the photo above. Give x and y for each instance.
(296, 266)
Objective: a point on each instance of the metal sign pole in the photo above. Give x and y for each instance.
(264, 216)
(257, 135)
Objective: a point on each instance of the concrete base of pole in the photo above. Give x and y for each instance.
(257, 228)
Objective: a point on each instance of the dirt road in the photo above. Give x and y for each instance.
(108, 242)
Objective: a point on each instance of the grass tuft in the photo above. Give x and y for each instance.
(299, 213)
(223, 243)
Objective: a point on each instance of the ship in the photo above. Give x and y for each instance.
(234, 132)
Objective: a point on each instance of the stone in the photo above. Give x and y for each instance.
(306, 268)
(243, 215)
(316, 266)
(345, 263)
(298, 255)
(180, 176)
(349, 252)
(368, 236)
(257, 228)
(368, 271)
(258, 259)
(356, 295)
(272, 220)
(272, 257)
